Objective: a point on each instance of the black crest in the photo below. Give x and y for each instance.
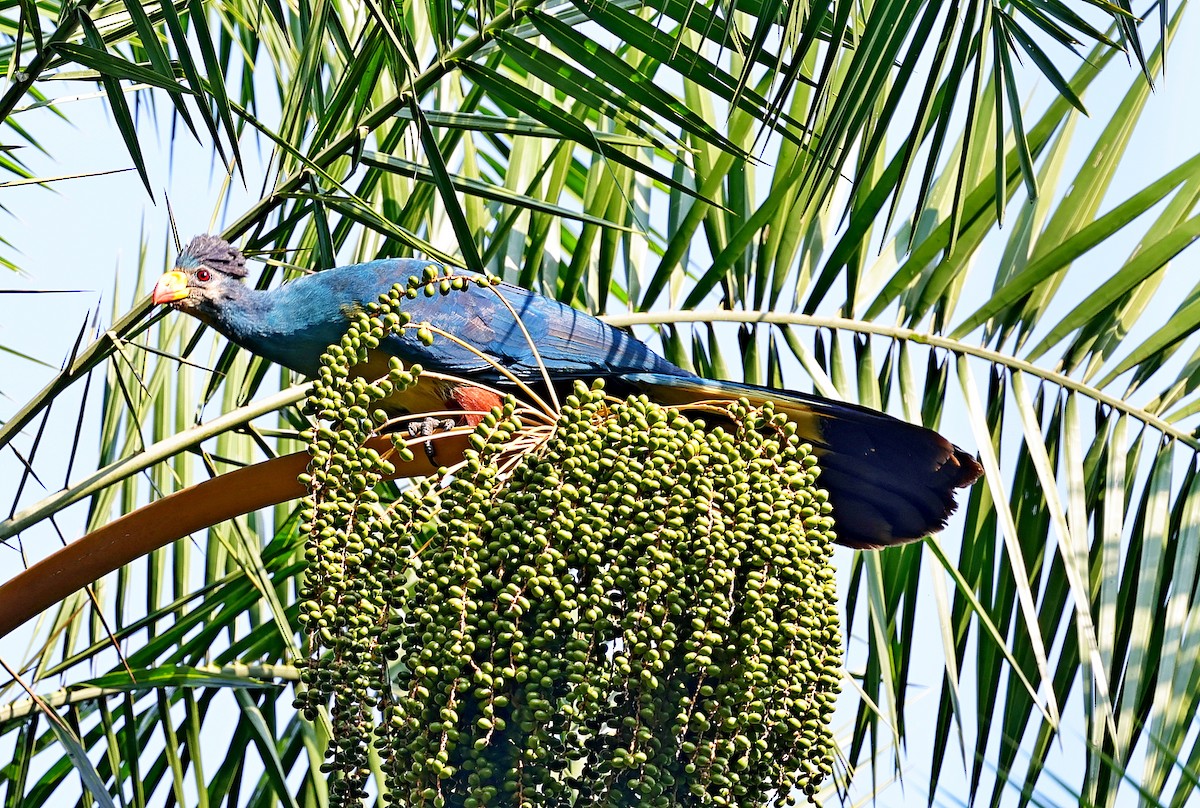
(215, 253)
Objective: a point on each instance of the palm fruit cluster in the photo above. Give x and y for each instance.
(635, 607)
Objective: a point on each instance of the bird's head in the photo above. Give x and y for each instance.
(208, 271)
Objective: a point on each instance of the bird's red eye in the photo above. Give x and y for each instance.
(203, 275)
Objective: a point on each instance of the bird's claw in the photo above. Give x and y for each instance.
(427, 428)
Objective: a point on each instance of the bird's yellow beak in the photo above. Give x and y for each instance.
(171, 287)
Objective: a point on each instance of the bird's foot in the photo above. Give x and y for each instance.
(427, 428)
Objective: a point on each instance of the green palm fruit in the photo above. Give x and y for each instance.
(624, 606)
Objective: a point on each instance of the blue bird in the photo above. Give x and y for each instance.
(889, 481)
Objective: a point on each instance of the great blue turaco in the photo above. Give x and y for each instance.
(889, 481)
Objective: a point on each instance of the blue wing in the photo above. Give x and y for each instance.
(311, 312)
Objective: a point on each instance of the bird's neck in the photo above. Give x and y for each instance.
(289, 325)
(239, 313)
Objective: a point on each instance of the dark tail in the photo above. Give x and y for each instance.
(889, 481)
